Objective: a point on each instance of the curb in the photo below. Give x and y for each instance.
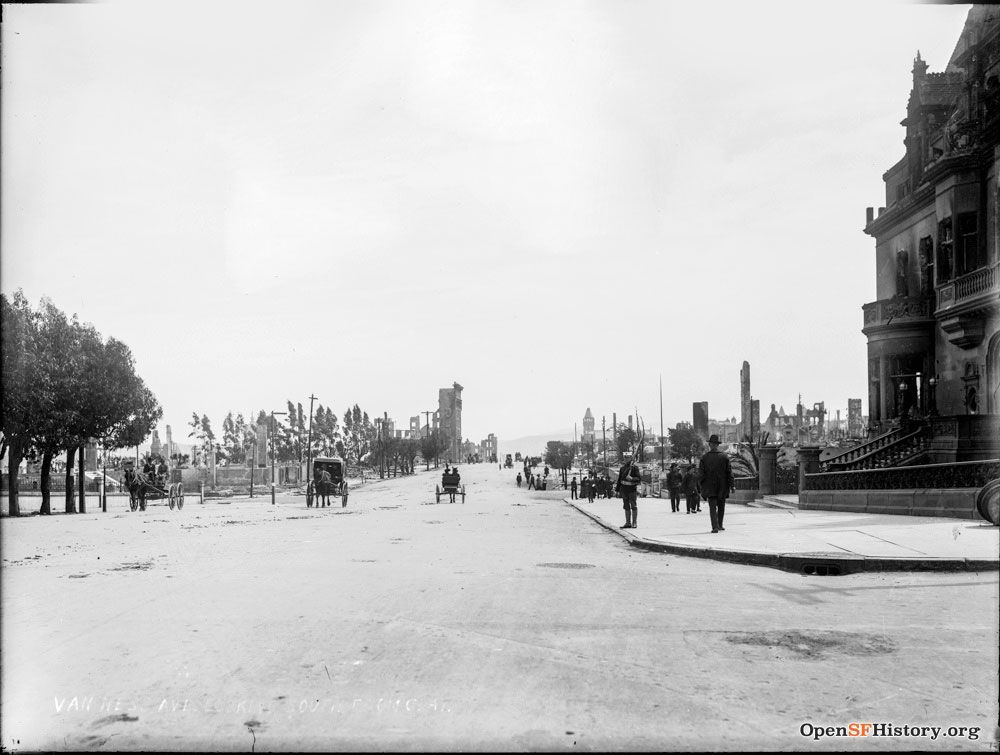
(820, 564)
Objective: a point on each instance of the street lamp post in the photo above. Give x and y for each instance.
(273, 454)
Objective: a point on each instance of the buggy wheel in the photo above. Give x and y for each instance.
(180, 495)
(343, 498)
(170, 496)
(437, 493)
(988, 502)
(309, 494)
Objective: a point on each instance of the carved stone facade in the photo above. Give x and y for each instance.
(932, 334)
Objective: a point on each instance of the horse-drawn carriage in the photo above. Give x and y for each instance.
(451, 485)
(329, 478)
(144, 487)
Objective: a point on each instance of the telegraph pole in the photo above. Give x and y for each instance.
(661, 423)
(309, 442)
(604, 441)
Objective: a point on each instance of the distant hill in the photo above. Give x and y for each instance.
(533, 445)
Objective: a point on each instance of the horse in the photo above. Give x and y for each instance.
(136, 483)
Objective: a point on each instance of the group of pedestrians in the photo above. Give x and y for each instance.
(686, 484)
(712, 480)
(590, 487)
(535, 481)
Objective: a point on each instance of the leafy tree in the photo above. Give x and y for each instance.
(685, 442)
(230, 440)
(409, 450)
(559, 455)
(348, 435)
(24, 385)
(433, 445)
(83, 387)
(239, 444)
(626, 438)
(57, 413)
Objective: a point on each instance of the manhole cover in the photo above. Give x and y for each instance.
(561, 565)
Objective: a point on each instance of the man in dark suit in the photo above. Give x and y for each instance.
(716, 481)
(629, 478)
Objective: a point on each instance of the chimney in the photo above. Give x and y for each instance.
(869, 215)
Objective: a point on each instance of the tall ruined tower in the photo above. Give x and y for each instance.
(746, 408)
(450, 418)
(588, 427)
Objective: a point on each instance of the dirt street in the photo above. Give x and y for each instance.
(510, 622)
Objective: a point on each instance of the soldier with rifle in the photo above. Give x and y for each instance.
(629, 478)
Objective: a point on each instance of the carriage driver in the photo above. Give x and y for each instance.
(161, 472)
(148, 469)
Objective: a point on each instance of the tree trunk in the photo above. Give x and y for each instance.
(70, 501)
(14, 456)
(83, 484)
(46, 483)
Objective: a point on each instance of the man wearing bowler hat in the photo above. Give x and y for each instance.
(716, 481)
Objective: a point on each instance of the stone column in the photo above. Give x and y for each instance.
(808, 463)
(768, 466)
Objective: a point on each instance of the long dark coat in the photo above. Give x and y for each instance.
(674, 480)
(716, 475)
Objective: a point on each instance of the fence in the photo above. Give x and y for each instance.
(962, 474)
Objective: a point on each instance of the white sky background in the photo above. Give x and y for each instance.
(548, 202)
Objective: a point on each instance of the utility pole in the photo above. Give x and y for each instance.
(661, 423)
(384, 439)
(604, 441)
(309, 442)
(104, 477)
(614, 429)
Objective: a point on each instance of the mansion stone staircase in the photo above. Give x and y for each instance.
(896, 448)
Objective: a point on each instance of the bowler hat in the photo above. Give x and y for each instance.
(714, 439)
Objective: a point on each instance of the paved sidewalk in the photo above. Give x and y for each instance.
(814, 542)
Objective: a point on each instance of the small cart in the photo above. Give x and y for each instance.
(451, 485)
(319, 488)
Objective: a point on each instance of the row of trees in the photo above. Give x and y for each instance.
(357, 439)
(63, 384)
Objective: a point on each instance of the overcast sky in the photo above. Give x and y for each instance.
(550, 203)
